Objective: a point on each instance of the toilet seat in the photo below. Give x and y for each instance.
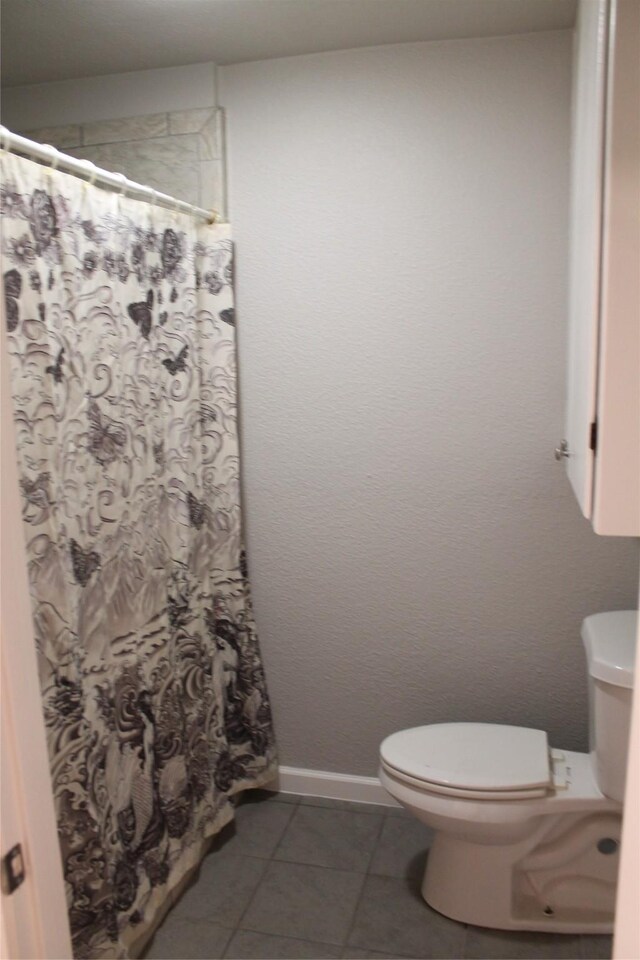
(471, 760)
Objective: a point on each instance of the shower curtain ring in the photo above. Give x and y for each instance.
(123, 183)
(93, 173)
(55, 155)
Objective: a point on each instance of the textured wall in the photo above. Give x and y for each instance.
(134, 94)
(180, 153)
(417, 556)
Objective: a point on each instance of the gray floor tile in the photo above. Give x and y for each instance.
(393, 916)
(399, 812)
(402, 848)
(343, 805)
(516, 945)
(222, 842)
(341, 839)
(304, 902)
(257, 829)
(188, 940)
(222, 890)
(355, 953)
(596, 946)
(247, 945)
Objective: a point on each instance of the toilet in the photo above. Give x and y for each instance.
(526, 836)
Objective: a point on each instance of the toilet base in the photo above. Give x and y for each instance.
(557, 881)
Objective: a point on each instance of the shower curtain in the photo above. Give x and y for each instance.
(121, 338)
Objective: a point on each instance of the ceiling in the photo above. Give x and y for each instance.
(44, 40)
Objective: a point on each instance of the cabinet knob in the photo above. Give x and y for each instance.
(562, 451)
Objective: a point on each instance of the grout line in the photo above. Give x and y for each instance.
(376, 844)
(223, 952)
(237, 928)
(279, 936)
(345, 944)
(464, 941)
(319, 866)
(366, 876)
(322, 866)
(295, 808)
(355, 806)
(266, 861)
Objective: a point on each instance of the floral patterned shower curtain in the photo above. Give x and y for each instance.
(121, 338)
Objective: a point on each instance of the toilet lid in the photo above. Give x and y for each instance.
(471, 756)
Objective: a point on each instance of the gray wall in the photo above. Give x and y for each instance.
(416, 554)
(112, 96)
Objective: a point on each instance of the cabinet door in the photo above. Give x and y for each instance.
(603, 405)
(616, 494)
(585, 232)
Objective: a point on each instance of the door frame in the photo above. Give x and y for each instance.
(34, 917)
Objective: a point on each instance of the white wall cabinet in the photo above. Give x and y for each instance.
(603, 406)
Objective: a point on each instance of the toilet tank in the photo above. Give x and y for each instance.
(610, 644)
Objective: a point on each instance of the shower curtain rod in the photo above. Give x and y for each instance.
(14, 143)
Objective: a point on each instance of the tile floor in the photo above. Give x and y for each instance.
(302, 877)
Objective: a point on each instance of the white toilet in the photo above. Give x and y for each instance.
(526, 836)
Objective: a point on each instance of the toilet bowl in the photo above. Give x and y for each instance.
(526, 837)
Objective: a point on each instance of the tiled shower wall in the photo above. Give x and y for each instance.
(179, 153)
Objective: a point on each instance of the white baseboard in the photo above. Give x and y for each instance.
(334, 786)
